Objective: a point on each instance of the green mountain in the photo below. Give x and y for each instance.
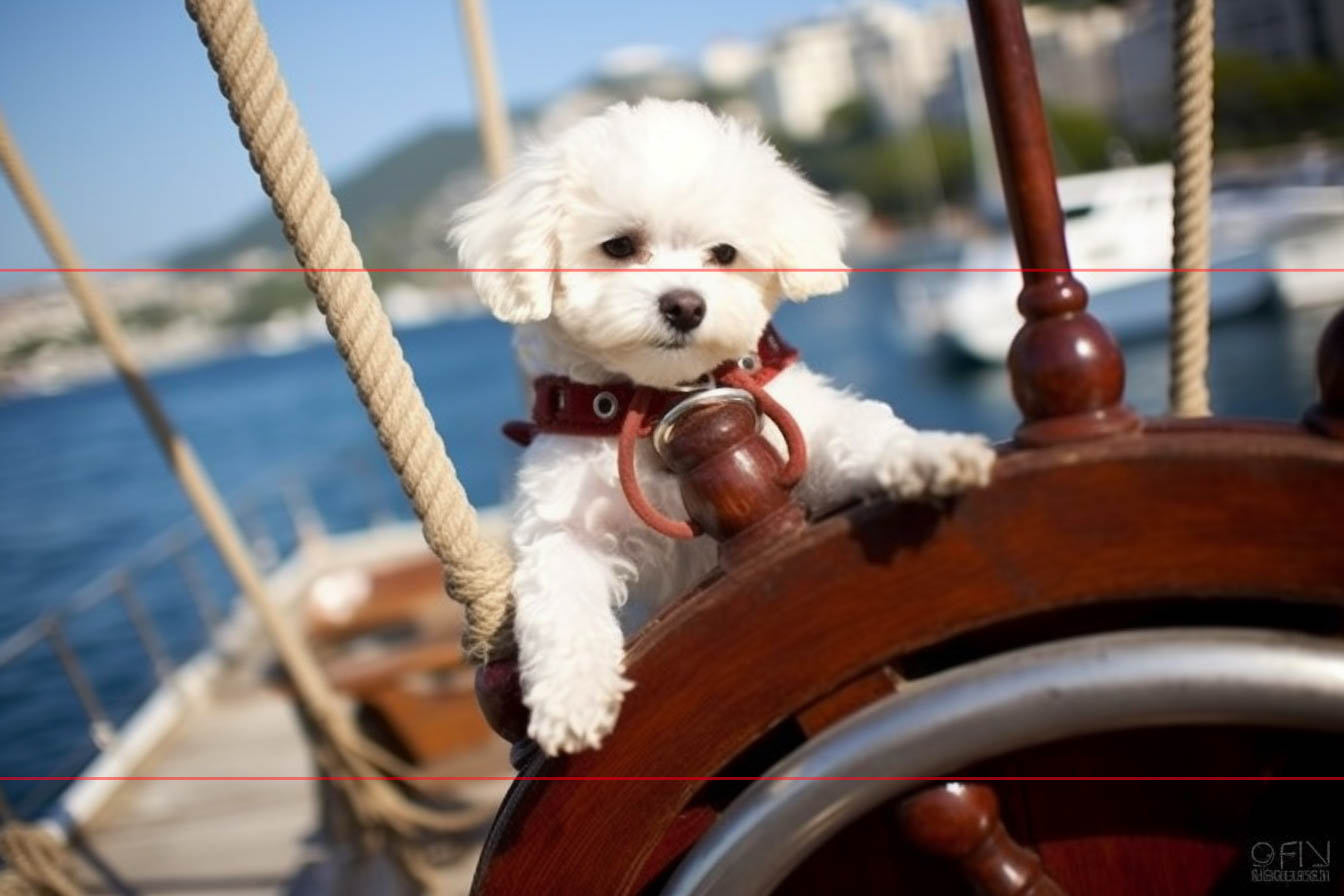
(380, 201)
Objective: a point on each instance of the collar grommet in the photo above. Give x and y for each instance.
(605, 405)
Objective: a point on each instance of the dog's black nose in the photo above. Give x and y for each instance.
(682, 308)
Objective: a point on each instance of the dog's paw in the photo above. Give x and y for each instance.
(938, 464)
(574, 713)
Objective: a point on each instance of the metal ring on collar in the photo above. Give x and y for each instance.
(662, 433)
(605, 405)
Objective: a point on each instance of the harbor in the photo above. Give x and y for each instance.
(266, 629)
(1261, 368)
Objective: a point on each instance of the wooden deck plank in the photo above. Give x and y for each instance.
(208, 837)
(237, 838)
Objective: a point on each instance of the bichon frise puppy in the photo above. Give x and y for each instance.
(649, 245)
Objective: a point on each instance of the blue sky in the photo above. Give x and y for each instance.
(118, 113)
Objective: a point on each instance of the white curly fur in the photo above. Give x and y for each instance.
(679, 180)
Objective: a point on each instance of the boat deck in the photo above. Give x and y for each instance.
(174, 830)
(178, 834)
(201, 836)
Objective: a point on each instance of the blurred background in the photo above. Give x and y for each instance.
(879, 103)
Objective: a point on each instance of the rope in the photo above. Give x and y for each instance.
(654, 518)
(796, 464)
(177, 451)
(342, 752)
(1192, 160)
(38, 863)
(476, 571)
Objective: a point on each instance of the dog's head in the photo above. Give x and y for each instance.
(655, 239)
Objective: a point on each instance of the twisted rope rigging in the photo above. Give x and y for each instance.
(38, 864)
(358, 766)
(1192, 162)
(476, 571)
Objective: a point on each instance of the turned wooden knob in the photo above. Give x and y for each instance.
(729, 476)
(500, 695)
(730, 479)
(961, 822)
(1327, 415)
(1067, 372)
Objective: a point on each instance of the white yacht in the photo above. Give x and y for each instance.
(1307, 265)
(1119, 230)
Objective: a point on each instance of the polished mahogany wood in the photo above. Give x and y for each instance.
(1067, 373)
(1116, 838)
(1165, 836)
(1327, 415)
(729, 478)
(961, 822)
(1202, 523)
(846, 700)
(500, 695)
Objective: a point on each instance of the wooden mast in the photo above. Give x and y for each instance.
(491, 115)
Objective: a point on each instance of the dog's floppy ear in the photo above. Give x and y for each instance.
(508, 239)
(806, 237)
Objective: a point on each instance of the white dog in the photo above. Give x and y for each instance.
(650, 244)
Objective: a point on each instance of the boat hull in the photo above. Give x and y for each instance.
(1132, 305)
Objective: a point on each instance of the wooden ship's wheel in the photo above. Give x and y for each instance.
(1127, 598)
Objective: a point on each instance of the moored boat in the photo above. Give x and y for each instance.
(1118, 224)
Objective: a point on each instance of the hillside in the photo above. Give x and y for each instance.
(380, 201)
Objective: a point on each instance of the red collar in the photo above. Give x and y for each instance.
(569, 408)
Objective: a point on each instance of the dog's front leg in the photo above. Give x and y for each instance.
(858, 446)
(570, 647)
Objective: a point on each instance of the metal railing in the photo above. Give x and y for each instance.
(122, 637)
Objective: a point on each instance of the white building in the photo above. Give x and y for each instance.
(908, 62)
(901, 57)
(810, 71)
(730, 65)
(1075, 54)
(884, 51)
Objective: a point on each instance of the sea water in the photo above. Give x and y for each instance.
(82, 487)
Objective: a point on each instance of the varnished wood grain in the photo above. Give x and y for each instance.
(1115, 838)
(846, 699)
(729, 478)
(1067, 373)
(500, 695)
(1327, 415)
(729, 475)
(961, 823)
(1213, 514)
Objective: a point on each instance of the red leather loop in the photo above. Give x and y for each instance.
(789, 475)
(796, 465)
(625, 469)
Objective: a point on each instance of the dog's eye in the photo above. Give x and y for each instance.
(723, 253)
(619, 247)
